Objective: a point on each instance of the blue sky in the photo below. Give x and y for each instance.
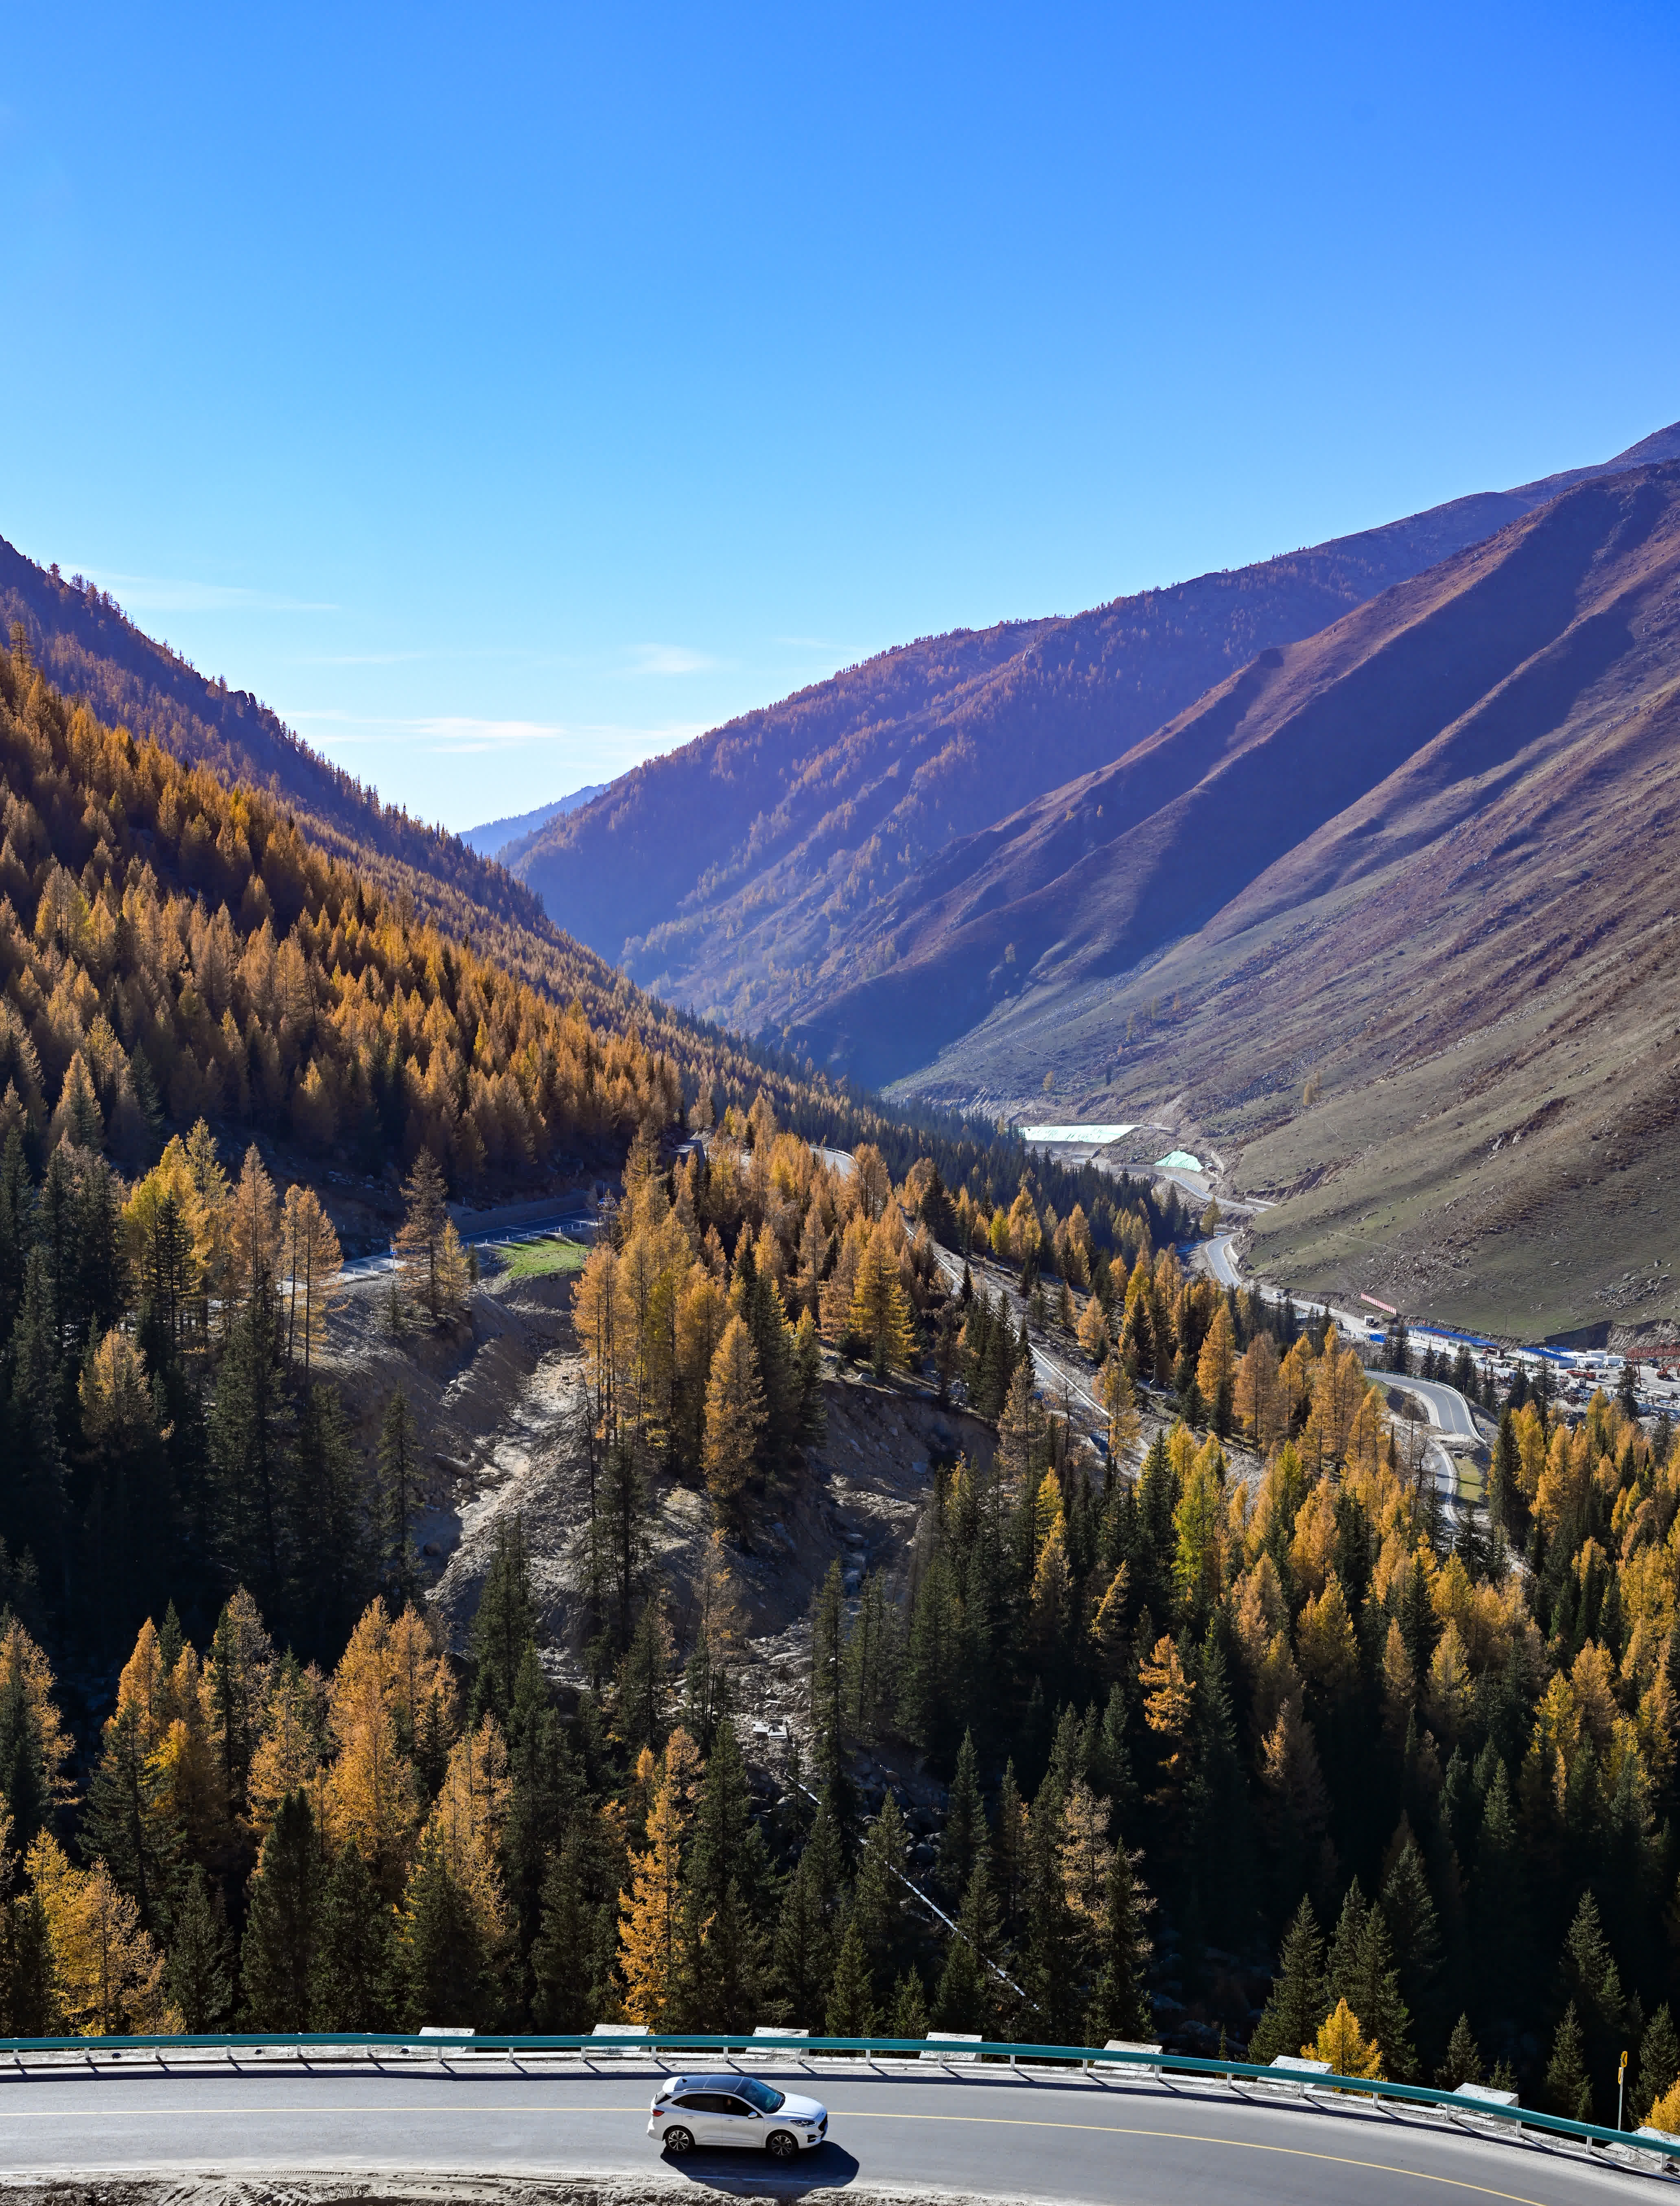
(506, 394)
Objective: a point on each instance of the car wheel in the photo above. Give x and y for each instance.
(782, 2144)
(678, 2140)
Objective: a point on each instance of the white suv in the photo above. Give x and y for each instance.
(692, 2110)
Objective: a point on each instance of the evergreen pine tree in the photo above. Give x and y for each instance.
(642, 1702)
(1659, 2064)
(131, 1822)
(1120, 2003)
(278, 1958)
(877, 1910)
(1414, 1929)
(27, 1973)
(327, 1524)
(443, 1959)
(352, 1987)
(1298, 2000)
(545, 1787)
(1593, 1985)
(909, 2006)
(1463, 2064)
(1373, 1990)
(962, 2004)
(505, 1624)
(803, 1948)
(198, 1974)
(964, 1830)
(564, 1960)
(851, 1998)
(399, 1497)
(1568, 2092)
(828, 1649)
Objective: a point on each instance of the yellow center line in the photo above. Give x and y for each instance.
(410, 2107)
(1186, 2136)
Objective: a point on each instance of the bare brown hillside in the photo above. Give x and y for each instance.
(1427, 866)
(761, 871)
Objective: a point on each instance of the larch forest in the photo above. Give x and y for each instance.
(1232, 1743)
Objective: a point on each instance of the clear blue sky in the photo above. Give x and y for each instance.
(505, 394)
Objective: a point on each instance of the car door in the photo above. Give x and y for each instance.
(737, 2122)
(699, 2113)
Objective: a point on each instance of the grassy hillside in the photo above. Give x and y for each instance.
(754, 873)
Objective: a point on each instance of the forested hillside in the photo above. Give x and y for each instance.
(746, 874)
(1189, 1712)
(89, 649)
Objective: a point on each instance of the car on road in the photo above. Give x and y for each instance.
(734, 2110)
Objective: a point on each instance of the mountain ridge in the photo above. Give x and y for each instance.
(766, 850)
(1438, 1013)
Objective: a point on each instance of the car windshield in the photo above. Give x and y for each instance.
(759, 2095)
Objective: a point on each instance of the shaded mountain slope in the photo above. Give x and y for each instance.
(1426, 867)
(765, 856)
(1105, 871)
(89, 648)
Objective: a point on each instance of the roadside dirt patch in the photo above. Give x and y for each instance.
(312, 2188)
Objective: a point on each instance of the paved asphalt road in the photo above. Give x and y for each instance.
(1066, 2139)
(1446, 1406)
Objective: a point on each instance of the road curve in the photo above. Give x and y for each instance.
(1446, 1406)
(997, 2134)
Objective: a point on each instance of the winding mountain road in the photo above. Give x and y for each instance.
(973, 2134)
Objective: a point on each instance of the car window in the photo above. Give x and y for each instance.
(694, 2102)
(731, 2105)
(761, 2095)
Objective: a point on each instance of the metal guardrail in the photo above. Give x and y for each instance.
(1129, 2058)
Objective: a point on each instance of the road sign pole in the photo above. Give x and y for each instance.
(1621, 2083)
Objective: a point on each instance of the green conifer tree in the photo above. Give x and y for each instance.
(1120, 2000)
(198, 1974)
(278, 1958)
(399, 1497)
(1658, 2063)
(1463, 2064)
(909, 2006)
(352, 1983)
(28, 1981)
(851, 1999)
(1297, 2001)
(803, 1952)
(1568, 2091)
(565, 1958)
(964, 1830)
(505, 1625)
(443, 1963)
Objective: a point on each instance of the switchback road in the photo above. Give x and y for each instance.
(968, 2133)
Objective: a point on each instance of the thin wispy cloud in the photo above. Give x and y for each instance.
(456, 734)
(168, 593)
(670, 659)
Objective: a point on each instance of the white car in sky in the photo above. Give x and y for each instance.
(709, 2110)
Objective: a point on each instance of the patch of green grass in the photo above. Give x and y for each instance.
(542, 1260)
